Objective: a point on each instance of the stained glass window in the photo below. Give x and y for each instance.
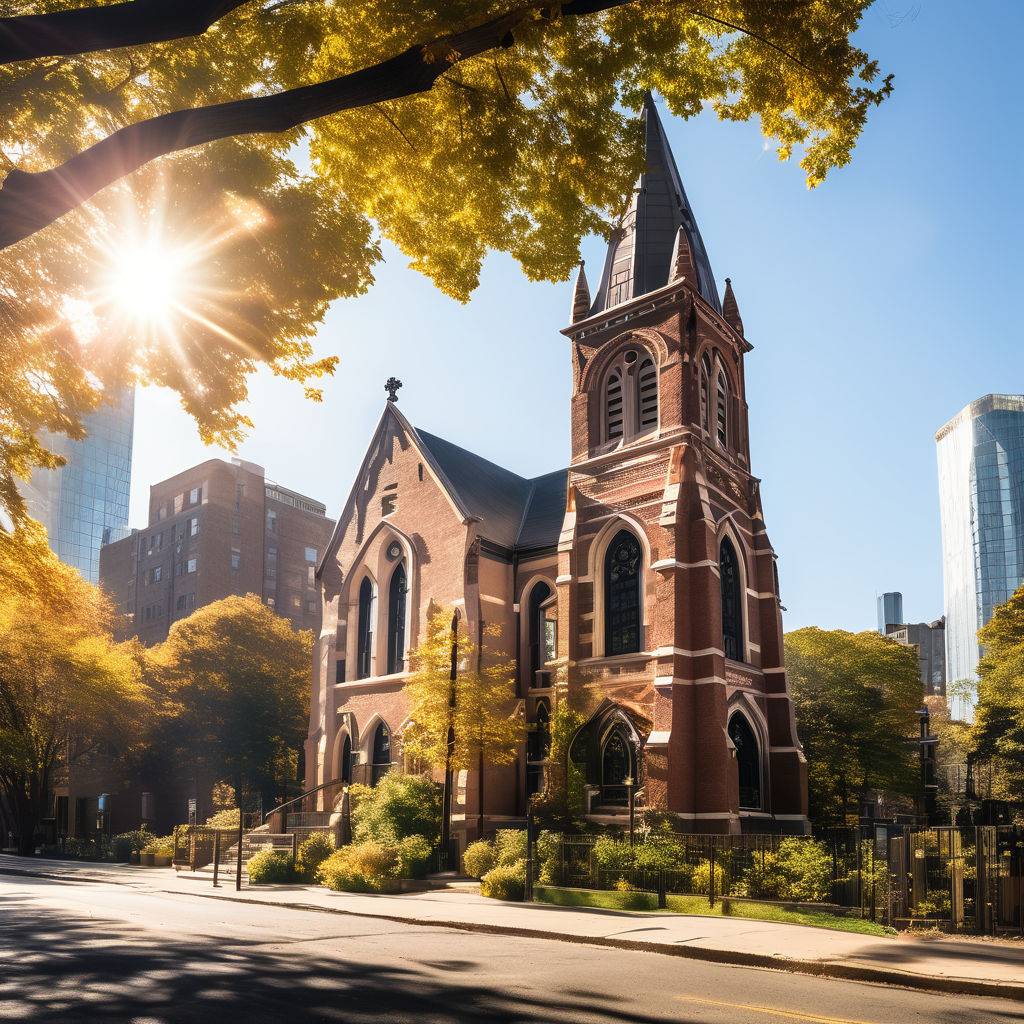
(622, 594)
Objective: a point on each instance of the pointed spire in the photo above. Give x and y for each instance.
(580, 296)
(641, 257)
(681, 264)
(731, 310)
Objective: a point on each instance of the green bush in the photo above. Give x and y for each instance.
(398, 806)
(505, 882)
(312, 852)
(510, 845)
(360, 867)
(546, 850)
(479, 858)
(612, 854)
(224, 819)
(414, 856)
(161, 846)
(270, 867)
(127, 843)
(800, 870)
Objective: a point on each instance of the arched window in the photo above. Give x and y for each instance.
(723, 410)
(535, 636)
(748, 759)
(396, 619)
(613, 407)
(346, 761)
(364, 650)
(705, 385)
(647, 396)
(616, 767)
(622, 579)
(381, 753)
(732, 600)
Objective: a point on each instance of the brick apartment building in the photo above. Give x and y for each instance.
(638, 585)
(216, 529)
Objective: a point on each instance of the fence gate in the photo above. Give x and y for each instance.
(987, 861)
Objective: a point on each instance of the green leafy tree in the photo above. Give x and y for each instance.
(229, 166)
(477, 709)
(234, 679)
(856, 697)
(998, 731)
(67, 689)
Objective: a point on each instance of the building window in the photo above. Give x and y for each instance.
(388, 504)
(296, 601)
(339, 670)
(396, 619)
(346, 761)
(311, 555)
(705, 385)
(311, 607)
(271, 601)
(748, 760)
(732, 600)
(419, 471)
(271, 554)
(236, 526)
(236, 558)
(193, 496)
(647, 395)
(622, 594)
(272, 520)
(535, 635)
(193, 526)
(613, 407)
(364, 647)
(156, 574)
(616, 767)
(310, 575)
(190, 565)
(381, 753)
(722, 406)
(179, 503)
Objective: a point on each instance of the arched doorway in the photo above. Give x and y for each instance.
(748, 761)
(616, 766)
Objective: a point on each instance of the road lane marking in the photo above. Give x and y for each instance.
(791, 1014)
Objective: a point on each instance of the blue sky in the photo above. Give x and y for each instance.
(879, 305)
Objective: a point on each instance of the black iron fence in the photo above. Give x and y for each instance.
(951, 878)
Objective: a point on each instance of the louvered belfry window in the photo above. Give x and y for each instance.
(613, 406)
(622, 563)
(723, 410)
(647, 395)
(705, 378)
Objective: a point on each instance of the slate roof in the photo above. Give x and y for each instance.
(640, 250)
(515, 512)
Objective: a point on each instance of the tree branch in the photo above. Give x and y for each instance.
(31, 201)
(85, 29)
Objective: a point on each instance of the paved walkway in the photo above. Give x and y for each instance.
(981, 967)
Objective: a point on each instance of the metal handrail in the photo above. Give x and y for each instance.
(302, 796)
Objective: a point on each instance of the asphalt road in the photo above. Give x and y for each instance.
(76, 951)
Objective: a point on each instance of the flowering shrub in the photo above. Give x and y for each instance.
(270, 867)
(360, 867)
(312, 852)
(505, 882)
(479, 858)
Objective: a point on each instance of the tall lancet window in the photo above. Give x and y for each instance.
(732, 600)
(723, 410)
(748, 760)
(396, 619)
(381, 754)
(647, 395)
(622, 581)
(364, 649)
(705, 386)
(613, 406)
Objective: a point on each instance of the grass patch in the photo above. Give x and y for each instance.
(698, 905)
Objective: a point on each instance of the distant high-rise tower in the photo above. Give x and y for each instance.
(84, 504)
(981, 496)
(890, 610)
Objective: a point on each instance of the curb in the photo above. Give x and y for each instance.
(815, 968)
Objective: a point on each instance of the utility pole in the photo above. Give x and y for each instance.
(480, 728)
(446, 799)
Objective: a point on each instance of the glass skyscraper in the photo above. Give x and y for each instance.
(84, 504)
(890, 610)
(981, 497)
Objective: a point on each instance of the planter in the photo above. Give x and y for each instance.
(146, 859)
(161, 860)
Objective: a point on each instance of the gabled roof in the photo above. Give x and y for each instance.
(640, 249)
(513, 511)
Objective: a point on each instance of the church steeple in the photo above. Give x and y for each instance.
(731, 309)
(580, 296)
(642, 254)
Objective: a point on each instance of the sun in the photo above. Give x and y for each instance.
(147, 281)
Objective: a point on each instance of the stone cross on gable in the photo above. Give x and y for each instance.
(391, 386)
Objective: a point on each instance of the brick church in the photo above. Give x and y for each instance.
(639, 584)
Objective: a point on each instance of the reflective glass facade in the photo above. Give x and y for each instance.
(84, 504)
(981, 495)
(890, 610)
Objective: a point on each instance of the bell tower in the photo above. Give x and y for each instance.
(670, 620)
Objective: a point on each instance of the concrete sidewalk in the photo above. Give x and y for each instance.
(951, 965)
